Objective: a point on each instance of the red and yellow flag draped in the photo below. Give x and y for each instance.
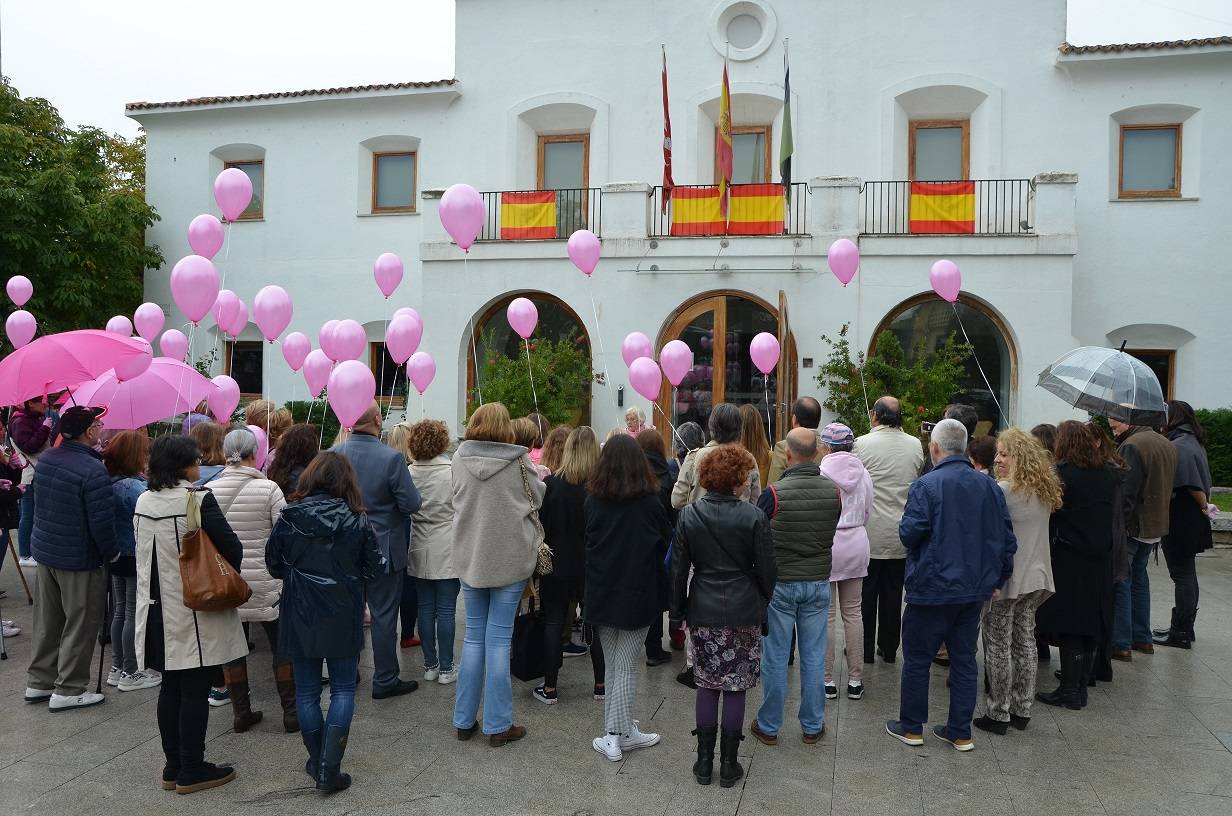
(945, 208)
(723, 143)
(528, 215)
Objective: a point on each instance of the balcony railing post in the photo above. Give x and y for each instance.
(624, 208)
(835, 206)
(430, 206)
(1054, 203)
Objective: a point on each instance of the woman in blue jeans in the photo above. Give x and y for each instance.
(324, 551)
(496, 500)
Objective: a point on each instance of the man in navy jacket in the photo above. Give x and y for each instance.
(960, 550)
(73, 538)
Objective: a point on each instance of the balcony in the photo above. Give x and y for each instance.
(541, 215)
(980, 207)
(753, 209)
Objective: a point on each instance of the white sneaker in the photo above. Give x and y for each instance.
(113, 676)
(63, 702)
(609, 746)
(9, 630)
(34, 695)
(139, 680)
(636, 739)
(448, 678)
(431, 674)
(28, 561)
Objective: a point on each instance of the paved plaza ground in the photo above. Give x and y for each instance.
(1156, 741)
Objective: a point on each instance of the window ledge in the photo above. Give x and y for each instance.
(245, 221)
(1151, 198)
(386, 214)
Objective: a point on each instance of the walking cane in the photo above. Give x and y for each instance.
(102, 642)
(20, 574)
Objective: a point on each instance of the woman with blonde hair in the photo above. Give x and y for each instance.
(1032, 492)
(208, 435)
(753, 438)
(554, 447)
(526, 433)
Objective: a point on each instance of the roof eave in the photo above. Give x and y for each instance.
(141, 110)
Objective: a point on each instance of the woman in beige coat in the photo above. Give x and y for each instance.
(252, 505)
(186, 646)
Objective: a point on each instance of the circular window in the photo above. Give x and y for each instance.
(742, 30)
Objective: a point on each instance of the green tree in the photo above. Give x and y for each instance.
(73, 215)
(563, 376)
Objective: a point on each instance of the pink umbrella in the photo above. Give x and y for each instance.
(167, 388)
(58, 361)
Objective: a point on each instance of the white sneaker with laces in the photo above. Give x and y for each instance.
(34, 695)
(431, 674)
(636, 739)
(9, 630)
(448, 678)
(28, 561)
(113, 676)
(609, 746)
(64, 702)
(139, 680)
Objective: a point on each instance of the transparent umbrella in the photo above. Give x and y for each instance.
(1109, 383)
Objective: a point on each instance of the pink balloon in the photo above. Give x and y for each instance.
(241, 320)
(295, 348)
(388, 273)
(149, 320)
(350, 340)
(765, 352)
(636, 345)
(317, 366)
(20, 327)
(351, 390)
(407, 310)
(844, 260)
(645, 377)
(225, 309)
(135, 366)
(225, 400)
(262, 445)
(325, 339)
(523, 317)
(194, 286)
(421, 368)
(272, 310)
(20, 289)
(121, 325)
(402, 337)
(462, 214)
(173, 344)
(205, 233)
(946, 279)
(704, 343)
(584, 250)
(233, 192)
(676, 360)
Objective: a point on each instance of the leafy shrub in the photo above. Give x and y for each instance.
(1217, 423)
(322, 415)
(562, 374)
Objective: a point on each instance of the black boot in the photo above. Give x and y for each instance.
(1177, 635)
(312, 741)
(703, 769)
(1088, 676)
(330, 778)
(1071, 676)
(729, 769)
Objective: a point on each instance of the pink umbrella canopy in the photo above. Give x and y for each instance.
(65, 360)
(167, 388)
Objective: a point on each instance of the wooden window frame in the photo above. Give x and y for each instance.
(931, 124)
(374, 365)
(544, 140)
(228, 347)
(376, 160)
(1174, 192)
(768, 131)
(1169, 386)
(260, 214)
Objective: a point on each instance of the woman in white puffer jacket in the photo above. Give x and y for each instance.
(252, 505)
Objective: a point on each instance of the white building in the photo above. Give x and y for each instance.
(1101, 175)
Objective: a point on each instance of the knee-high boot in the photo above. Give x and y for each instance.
(284, 681)
(703, 769)
(729, 768)
(236, 675)
(1067, 694)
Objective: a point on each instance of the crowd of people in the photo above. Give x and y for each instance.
(1024, 540)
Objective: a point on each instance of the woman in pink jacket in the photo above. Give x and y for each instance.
(850, 553)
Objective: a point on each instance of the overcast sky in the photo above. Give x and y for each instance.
(89, 57)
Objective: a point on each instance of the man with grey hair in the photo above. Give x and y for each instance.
(960, 549)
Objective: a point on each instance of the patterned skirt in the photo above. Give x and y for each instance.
(726, 658)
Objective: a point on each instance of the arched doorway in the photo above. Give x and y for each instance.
(557, 322)
(928, 318)
(718, 327)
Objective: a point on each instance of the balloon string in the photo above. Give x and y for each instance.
(382, 380)
(393, 389)
(667, 419)
(530, 372)
(766, 384)
(226, 254)
(474, 347)
(974, 356)
(179, 389)
(607, 380)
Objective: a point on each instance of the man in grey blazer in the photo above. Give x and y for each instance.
(390, 499)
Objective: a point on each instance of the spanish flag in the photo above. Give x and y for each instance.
(696, 211)
(528, 215)
(756, 209)
(942, 207)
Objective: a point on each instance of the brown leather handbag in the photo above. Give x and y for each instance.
(210, 583)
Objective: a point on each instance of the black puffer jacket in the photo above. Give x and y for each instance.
(74, 509)
(729, 545)
(563, 516)
(324, 553)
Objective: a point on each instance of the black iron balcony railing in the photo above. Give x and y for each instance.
(525, 215)
(753, 209)
(977, 207)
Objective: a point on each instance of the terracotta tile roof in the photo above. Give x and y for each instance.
(223, 100)
(1066, 48)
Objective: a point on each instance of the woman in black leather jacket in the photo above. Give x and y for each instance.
(324, 551)
(728, 544)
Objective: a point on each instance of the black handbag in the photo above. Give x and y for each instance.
(526, 656)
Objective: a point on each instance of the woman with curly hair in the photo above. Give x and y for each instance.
(1032, 492)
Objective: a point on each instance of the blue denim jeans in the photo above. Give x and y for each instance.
(485, 657)
(438, 604)
(802, 607)
(1131, 616)
(26, 526)
(925, 628)
(343, 672)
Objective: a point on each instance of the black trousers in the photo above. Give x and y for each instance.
(1183, 569)
(183, 712)
(882, 606)
(555, 596)
(654, 637)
